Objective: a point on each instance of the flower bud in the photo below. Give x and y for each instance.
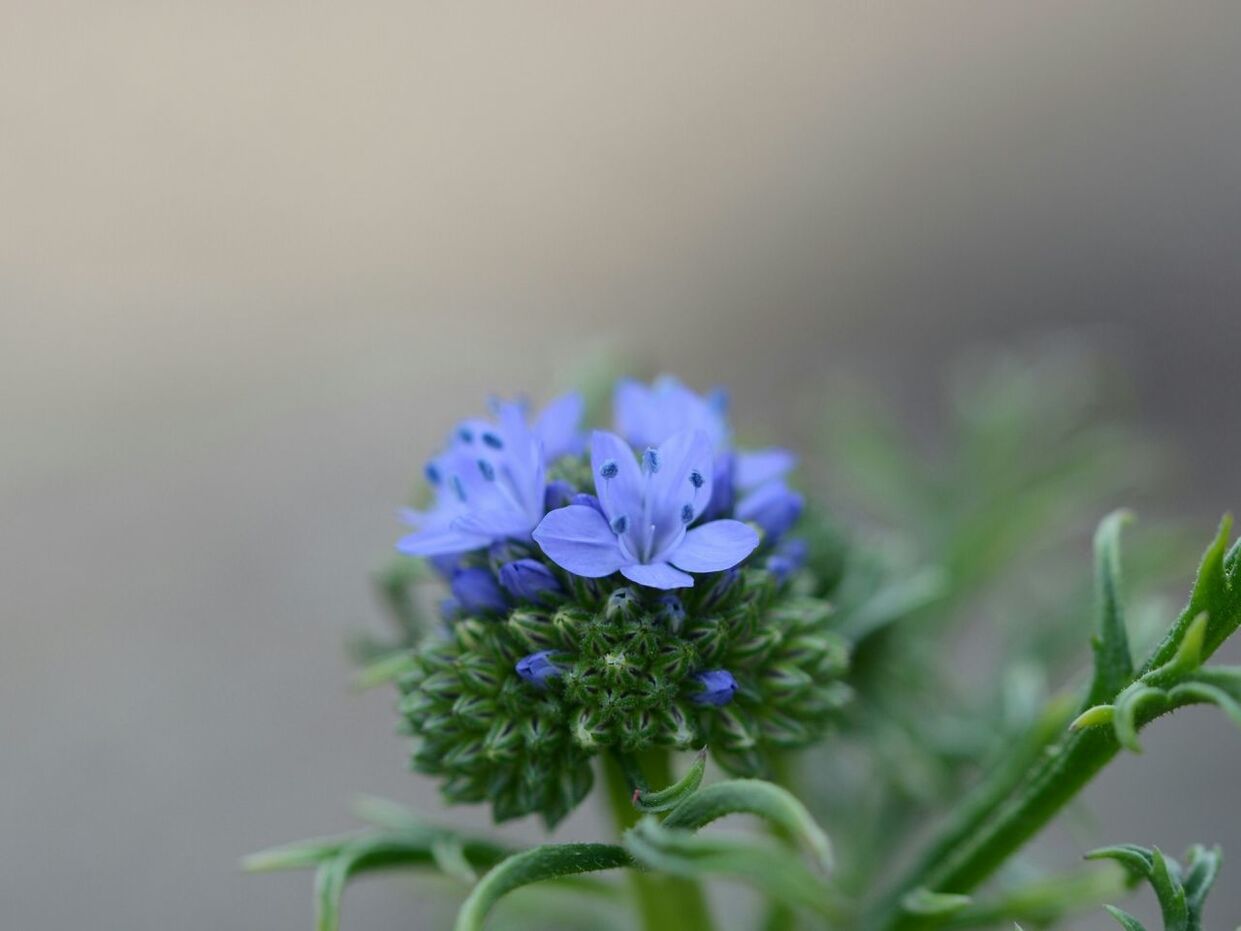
(529, 580)
(477, 591)
(773, 506)
(718, 687)
(537, 668)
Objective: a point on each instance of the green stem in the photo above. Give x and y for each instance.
(663, 901)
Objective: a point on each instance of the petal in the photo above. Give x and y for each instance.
(773, 506)
(620, 495)
(633, 410)
(715, 547)
(578, 539)
(440, 543)
(686, 474)
(557, 426)
(497, 524)
(760, 465)
(657, 575)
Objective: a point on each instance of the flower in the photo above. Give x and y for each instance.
(490, 483)
(528, 580)
(475, 589)
(647, 416)
(787, 559)
(718, 687)
(537, 668)
(644, 528)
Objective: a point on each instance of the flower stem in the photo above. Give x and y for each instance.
(663, 901)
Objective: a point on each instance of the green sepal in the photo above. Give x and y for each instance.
(1124, 919)
(1113, 662)
(928, 904)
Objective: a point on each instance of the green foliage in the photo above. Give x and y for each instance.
(628, 683)
(1180, 890)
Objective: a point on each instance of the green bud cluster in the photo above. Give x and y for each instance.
(628, 660)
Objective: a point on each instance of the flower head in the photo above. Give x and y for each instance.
(643, 529)
(491, 481)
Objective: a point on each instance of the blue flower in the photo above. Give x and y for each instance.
(773, 506)
(528, 580)
(644, 528)
(718, 687)
(537, 668)
(787, 559)
(490, 483)
(648, 415)
(476, 590)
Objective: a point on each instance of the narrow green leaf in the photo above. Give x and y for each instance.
(773, 870)
(1113, 660)
(1138, 860)
(363, 855)
(664, 799)
(531, 866)
(896, 599)
(449, 855)
(1093, 717)
(1203, 866)
(756, 797)
(1201, 693)
(299, 855)
(924, 902)
(1131, 701)
(1166, 881)
(383, 670)
(1126, 921)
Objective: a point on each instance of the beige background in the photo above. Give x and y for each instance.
(255, 256)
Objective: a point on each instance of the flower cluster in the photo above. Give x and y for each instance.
(620, 590)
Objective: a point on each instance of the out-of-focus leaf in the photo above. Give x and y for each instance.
(930, 904)
(1113, 661)
(772, 869)
(531, 866)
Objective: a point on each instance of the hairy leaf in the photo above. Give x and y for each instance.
(531, 866)
(664, 799)
(1113, 661)
(756, 797)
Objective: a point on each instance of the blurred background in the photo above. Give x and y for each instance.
(256, 257)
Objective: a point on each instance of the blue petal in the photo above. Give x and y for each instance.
(578, 539)
(477, 590)
(634, 412)
(715, 547)
(528, 579)
(440, 542)
(657, 575)
(557, 426)
(718, 687)
(686, 475)
(495, 524)
(761, 465)
(622, 493)
(773, 506)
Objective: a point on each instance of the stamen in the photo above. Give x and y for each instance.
(492, 440)
(650, 459)
(488, 470)
(609, 469)
(687, 513)
(432, 472)
(620, 523)
(458, 487)
(466, 434)
(696, 479)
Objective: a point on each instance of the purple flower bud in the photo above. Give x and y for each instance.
(723, 585)
(786, 560)
(718, 687)
(773, 506)
(537, 668)
(476, 589)
(528, 580)
(559, 494)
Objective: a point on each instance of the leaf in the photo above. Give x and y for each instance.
(772, 869)
(1113, 661)
(1180, 894)
(449, 855)
(924, 902)
(299, 855)
(363, 855)
(1137, 860)
(896, 599)
(531, 866)
(385, 669)
(1127, 921)
(664, 799)
(1093, 717)
(755, 797)
(1124, 719)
